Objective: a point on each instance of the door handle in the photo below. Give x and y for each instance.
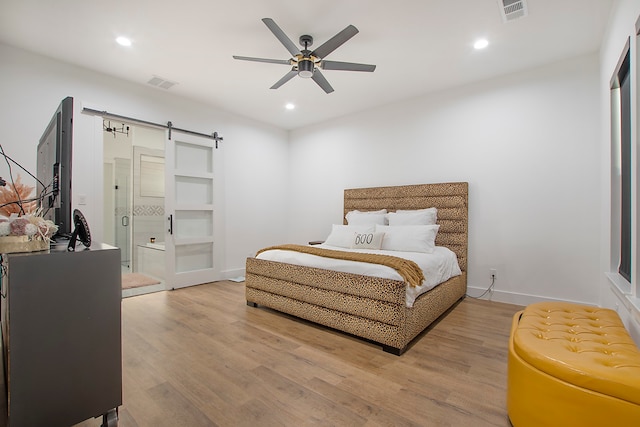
(170, 218)
(125, 221)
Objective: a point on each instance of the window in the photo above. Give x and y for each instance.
(625, 169)
(623, 165)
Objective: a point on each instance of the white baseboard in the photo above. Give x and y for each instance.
(232, 274)
(514, 298)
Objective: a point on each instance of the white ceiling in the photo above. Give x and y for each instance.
(419, 46)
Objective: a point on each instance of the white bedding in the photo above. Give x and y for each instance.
(438, 267)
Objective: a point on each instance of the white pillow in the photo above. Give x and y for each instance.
(416, 210)
(366, 218)
(416, 217)
(371, 240)
(342, 235)
(381, 211)
(409, 238)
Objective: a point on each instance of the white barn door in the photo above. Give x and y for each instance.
(193, 253)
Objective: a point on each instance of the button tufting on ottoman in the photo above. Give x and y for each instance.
(572, 365)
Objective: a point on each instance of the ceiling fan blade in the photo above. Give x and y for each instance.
(280, 35)
(335, 42)
(322, 82)
(291, 74)
(346, 66)
(269, 61)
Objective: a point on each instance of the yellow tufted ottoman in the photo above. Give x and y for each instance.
(572, 365)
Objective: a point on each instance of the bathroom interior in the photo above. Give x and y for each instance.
(134, 184)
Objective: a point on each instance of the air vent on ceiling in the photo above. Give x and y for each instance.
(512, 9)
(162, 83)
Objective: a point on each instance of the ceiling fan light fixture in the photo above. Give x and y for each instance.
(305, 68)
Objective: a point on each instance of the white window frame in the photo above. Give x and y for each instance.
(630, 289)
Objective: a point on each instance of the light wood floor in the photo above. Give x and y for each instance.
(201, 357)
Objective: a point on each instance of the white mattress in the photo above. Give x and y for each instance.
(437, 267)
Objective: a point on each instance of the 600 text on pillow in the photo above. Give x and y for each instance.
(342, 235)
(367, 240)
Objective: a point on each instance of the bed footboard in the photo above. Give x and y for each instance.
(367, 307)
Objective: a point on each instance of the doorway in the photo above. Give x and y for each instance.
(134, 204)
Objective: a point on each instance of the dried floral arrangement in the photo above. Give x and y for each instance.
(12, 196)
(21, 220)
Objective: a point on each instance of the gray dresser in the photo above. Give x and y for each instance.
(61, 336)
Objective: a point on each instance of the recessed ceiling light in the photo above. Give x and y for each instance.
(123, 41)
(290, 106)
(481, 43)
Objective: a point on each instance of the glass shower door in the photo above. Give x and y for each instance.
(123, 209)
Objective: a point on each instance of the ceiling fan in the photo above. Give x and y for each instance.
(306, 63)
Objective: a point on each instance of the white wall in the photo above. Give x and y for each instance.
(526, 143)
(529, 144)
(621, 28)
(254, 155)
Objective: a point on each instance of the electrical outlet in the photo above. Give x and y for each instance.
(493, 273)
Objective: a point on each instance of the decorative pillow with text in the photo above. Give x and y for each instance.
(367, 240)
(342, 235)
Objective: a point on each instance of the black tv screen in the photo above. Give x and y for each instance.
(54, 168)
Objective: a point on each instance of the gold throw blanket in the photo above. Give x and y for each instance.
(408, 269)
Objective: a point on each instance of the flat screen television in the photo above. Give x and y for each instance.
(54, 169)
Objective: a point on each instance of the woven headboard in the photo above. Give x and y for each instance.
(451, 200)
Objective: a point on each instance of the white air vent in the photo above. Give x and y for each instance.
(512, 9)
(162, 83)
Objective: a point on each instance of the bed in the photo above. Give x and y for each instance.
(370, 307)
